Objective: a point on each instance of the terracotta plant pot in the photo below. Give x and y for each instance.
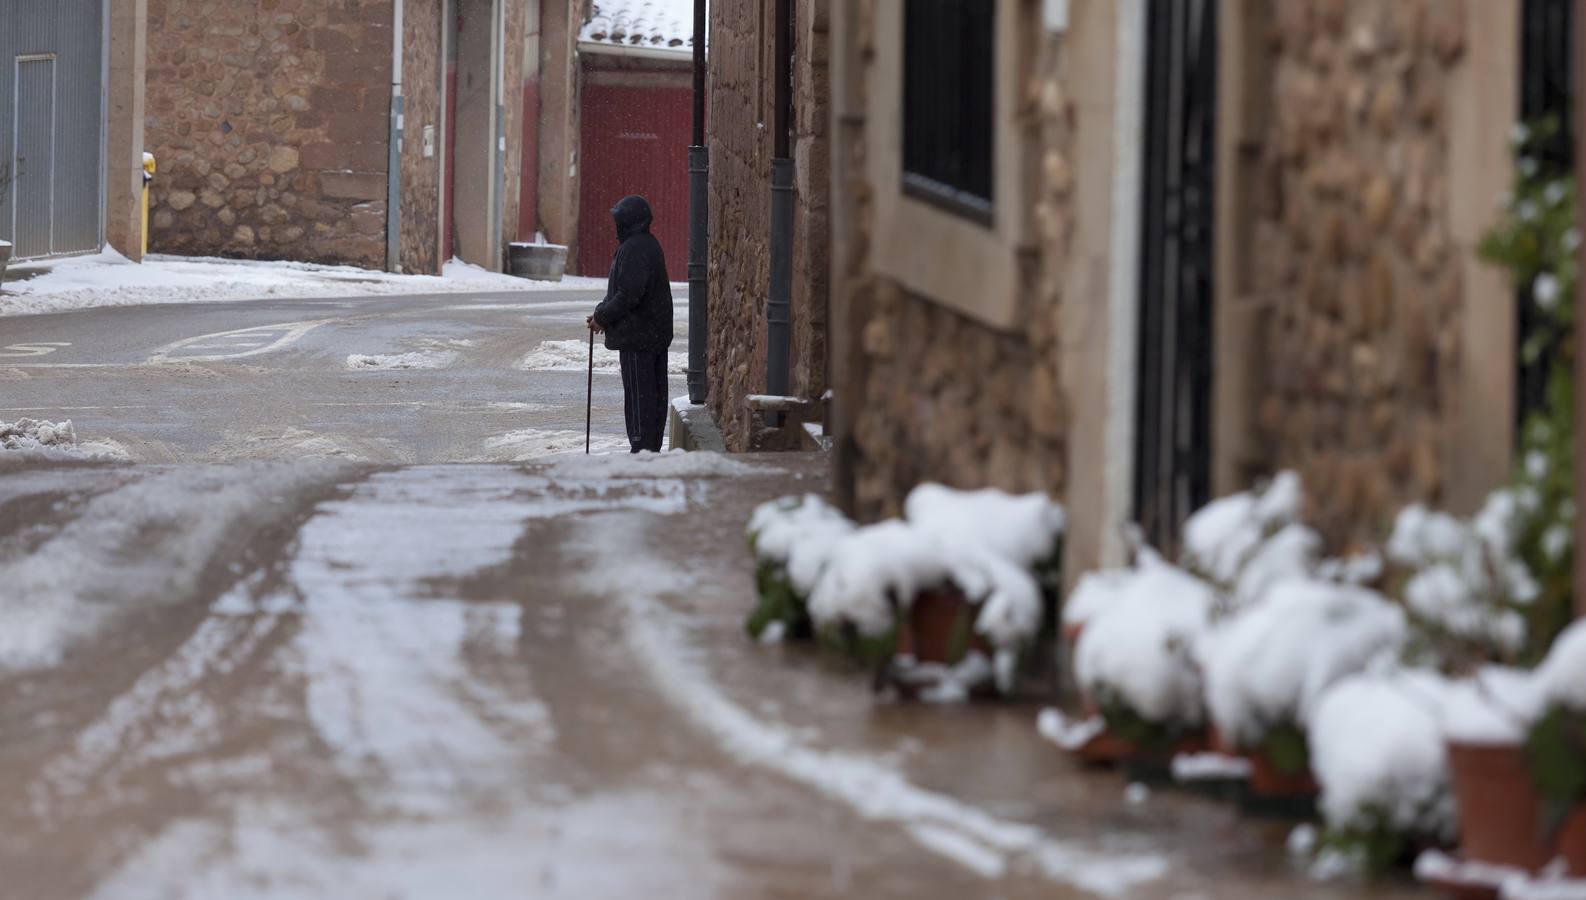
(1267, 780)
(934, 617)
(1499, 809)
(1572, 842)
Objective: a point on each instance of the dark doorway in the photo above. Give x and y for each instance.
(1173, 416)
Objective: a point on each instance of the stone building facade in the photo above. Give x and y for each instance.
(1374, 140)
(1358, 149)
(273, 126)
(740, 89)
(947, 350)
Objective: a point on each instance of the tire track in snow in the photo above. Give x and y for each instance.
(964, 834)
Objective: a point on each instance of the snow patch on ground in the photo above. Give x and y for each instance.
(40, 439)
(109, 279)
(534, 443)
(669, 464)
(414, 359)
(1069, 734)
(573, 356)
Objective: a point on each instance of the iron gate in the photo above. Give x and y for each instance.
(1547, 79)
(1173, 416)
(52, 125)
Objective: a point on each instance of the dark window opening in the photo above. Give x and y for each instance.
(1547, 82)
(949, 96)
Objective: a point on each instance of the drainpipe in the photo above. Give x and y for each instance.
(393, 191)
(780, 301)
(498, 205)
(698, 232)
(1580, 341)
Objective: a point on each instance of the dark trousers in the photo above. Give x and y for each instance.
(644, 398)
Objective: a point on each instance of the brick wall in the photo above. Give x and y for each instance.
(741, 146)
(270, 121)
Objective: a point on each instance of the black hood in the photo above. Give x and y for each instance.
(632, 215)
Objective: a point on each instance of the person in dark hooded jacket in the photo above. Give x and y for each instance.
(636, 318)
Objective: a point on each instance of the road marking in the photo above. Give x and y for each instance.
(244, 345)
(85, 408)
(276, 337)
(37, 348)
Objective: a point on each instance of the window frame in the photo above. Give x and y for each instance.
(926, 186)
(978, 269)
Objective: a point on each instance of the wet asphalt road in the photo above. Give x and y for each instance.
(289, 667)
(271, 378)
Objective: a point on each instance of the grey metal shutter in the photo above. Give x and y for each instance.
(52, 125)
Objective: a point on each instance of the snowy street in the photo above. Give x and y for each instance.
(401, 379)
(303, 679)
(347, 624)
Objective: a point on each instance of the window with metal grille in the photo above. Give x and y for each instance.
(949, 101)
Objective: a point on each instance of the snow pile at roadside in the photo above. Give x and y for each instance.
(1377, 747)
(573, 356)
(1141, 628)
(1269, 665)
(109, 279)
(39, 439)
(414, 359)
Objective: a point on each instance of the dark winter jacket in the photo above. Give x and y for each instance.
(637, 311)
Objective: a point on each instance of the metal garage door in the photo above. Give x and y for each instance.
(52, 125)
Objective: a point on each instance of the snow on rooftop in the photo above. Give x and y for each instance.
(661, 25)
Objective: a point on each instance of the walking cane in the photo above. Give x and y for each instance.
(589, 405)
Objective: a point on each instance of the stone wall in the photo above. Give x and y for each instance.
(421, 88)
(1351, 249)
(270, 121)
(929, 394)
(741, 147)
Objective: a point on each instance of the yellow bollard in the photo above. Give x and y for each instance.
(148, 177)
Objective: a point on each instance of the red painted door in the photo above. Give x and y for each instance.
(634, 141)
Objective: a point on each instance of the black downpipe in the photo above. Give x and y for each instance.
(698, 231)
(778, 307)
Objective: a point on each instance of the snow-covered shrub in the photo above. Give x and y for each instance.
(1378, 751)
(1135, 659)
(1466, 587)
(792, 539)
(1538, 242)
(1556, 743)
(875, 573)
(1026, 530)
(1267, 667)
(1246, 542)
